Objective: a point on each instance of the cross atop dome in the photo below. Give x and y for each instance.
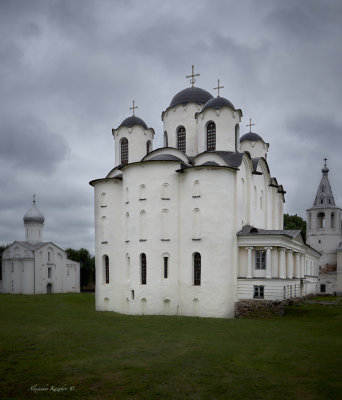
(325, 161)
(192, 76)
(250, 125)
(34, 199)
(218, 88)
(133, 107)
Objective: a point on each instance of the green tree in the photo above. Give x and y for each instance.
(294, 222)
(87, 264)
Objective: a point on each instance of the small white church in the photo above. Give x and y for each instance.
(195, 226)
(36, 267)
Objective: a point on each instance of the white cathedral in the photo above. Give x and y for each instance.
(36, 267)
(196, 225)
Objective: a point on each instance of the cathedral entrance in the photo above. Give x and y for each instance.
(49, 288)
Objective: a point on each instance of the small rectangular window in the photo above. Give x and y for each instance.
(166, 272)
(132, 294)
(258, 292)
(260, 259)
(322, 288)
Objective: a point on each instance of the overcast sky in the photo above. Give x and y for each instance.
(69, 71)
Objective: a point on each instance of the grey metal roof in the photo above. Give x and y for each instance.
(251, 230)
(34, 215)
(232, 158)
(164, 157)
(191, 95)
(217, 103)
(324, 197)
(253, 137)
(133, 120)
(31, 246)
(211, 164)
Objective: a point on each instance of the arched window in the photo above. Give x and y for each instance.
(143, 268)
(126, 227)
(165, 225)
(166, 140)
(165, 195)
(142, 192)
(103, 199)
(196, 224)
(197, 269)
(124, 151)
(181, 139)
(49, 272)
(148, 147)
(106, 268)
(237, 136)
(196, 189)
(165, 270)
(103, 227)
(142, 224)
(332, 220)
(211, 136)
(127, 195)
(321, 220)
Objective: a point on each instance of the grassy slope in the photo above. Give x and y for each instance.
(60, 339)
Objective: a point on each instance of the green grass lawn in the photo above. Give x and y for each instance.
(60, 341)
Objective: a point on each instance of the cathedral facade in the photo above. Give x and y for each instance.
(196, 225)
(36, 267)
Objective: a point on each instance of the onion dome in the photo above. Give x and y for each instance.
(217, 103)
(34, 215)
(191, 95)
(251, 136)
(133, 120)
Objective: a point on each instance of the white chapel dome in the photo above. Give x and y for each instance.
(34, 215)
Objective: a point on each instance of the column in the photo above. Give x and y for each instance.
(268, 263)
(289, 264)
(249, 263)
(282, 269)
(297, 265)
(302, 265)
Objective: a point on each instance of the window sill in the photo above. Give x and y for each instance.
(165, 198)
(142, 240)
(104, 242)
(196, 239)
(196, 197)
(103, 206)
(165, 240)
(141, 199)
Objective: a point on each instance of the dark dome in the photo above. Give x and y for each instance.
(133, 120)
(191, 95)
(217, 103)
(253, 137)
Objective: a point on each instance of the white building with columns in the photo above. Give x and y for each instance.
(36, 267)
(324, 229)
(196, 225)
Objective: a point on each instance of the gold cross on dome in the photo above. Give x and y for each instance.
(192, 76)
(134, 107)
(250, 124)
(218, 88)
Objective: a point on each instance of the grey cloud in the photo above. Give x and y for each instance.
(28, 143)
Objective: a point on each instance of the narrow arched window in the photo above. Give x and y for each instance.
(321, 220)
(196, 225)
(143, 271)
(106, 268)
(126, 227)
(166, 140)
(142, 192)
(142, 221)
(165, 225)
(103, 229)
(103, 199)
(49, 272)
(197, 269)
(332, 220)
(124, 151)
(165, 195)
(148, 147)
(181, 139)
(196, 189)
(211, 136)
(237, 136)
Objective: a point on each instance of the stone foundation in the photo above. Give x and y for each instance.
(262, 308)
